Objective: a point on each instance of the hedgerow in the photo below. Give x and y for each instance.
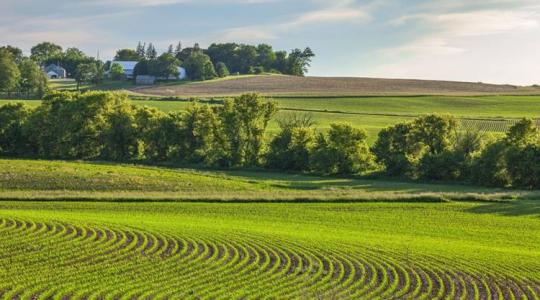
(106, 126)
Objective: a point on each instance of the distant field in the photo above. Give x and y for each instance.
(490, 113)
(46, 180)
(329, 86)
(82, 250)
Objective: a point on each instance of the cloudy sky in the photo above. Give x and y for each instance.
(470, 40)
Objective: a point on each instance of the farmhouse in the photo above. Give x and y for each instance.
(55, 72)
(128, 66)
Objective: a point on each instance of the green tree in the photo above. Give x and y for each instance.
(13, 136)
(84, 73)
(120, 136)
(244, 121)
(266, 57)
(15, 52)
(43, 52)
(202, 141)
(127, 55)
(299, 61)
(222, 70)
(344, 150)
(290, 149)
(9, 72)
(396, 149)
(151, 52)
(167, 65)
(33, 81)
(199, 67)
(117, 71)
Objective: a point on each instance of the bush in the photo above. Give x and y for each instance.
(13, 136)
(290, 149)
(396, 150)
(343, 150)
(222, 70)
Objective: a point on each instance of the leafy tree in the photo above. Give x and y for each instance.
(9, 72)
(33, 81)
(299, 61)
(523, 133)
(490, 168)
(281, 63)
(99, 74)
(202, 141)
(290, 149)
(142, 68)
(156, 131)
(222, 70)
(266, 57)
(248, 55)
(84, 73)
(13, 138)
(43, 52)
(227, 54)
(436, 132)
(199, 67)
(344, 150)
(397, 150)
(127, 55)
(166, 66)
(244, 121)
(15, 52)
(523, 165)
(117, 71)
(70, 59)
(120, 138)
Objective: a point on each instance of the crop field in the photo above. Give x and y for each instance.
(93, 250)
(328, 86)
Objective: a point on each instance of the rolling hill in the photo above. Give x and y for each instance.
(328, 86)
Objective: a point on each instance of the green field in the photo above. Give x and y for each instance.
(490, 113)
(250, 251)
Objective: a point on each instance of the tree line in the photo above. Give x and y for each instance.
(106, 126)
(218, 60)
(20, 76)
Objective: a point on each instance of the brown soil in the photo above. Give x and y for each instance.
(337, 86)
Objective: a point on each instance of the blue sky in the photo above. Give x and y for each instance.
(469, 40)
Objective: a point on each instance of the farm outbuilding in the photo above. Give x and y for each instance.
(128, 66)
(55, 72)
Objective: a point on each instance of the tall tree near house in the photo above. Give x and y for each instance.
(33, 81)
(84, 73)
(141, 49)
(178, 49)
(127, 55)
(9, 72)
(42, 52)
(151, 52)
(16, 52)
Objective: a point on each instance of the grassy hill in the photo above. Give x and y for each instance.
(328, 86)
(58, 180)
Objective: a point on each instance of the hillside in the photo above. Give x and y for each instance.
(327, 86)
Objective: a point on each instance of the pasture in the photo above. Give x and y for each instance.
(93, 250)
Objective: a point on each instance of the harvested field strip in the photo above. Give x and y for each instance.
(124, 262)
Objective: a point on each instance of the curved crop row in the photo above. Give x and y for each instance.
(49, 259)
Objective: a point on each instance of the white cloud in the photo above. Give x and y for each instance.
(338, 11)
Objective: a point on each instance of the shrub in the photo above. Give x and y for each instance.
(290, 149)
(13, 136)
(343, 150)
(222, 70)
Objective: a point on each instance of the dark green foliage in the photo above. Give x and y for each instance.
(13, 137)
(44, 52)
(117, 71)
(490, 168)
(222, 70)
(343, 150)
(9, 72)
(396, 150)
(244, 120)
(199, 67)
(33, 80)
(127, 55)
(290, 149)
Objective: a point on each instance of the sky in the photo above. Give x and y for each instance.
(494, 41)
